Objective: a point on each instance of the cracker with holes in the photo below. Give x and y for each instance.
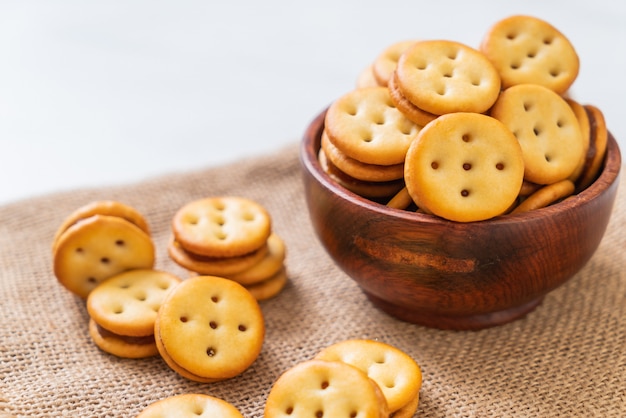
(594, 157)
(190, 405)
(395, 372)
(545, 196)
(525, 49)
(122, 346)
(464, 167)
(318, 388)
(226, 226)
(267, 267)
(412, 112)
(103, 207)
(365, 125)
(441, 76)
(386, 62)
(98, 247)
(366, 78)
(123, 310)
(209, 328)
(546, 128)
(357, 169)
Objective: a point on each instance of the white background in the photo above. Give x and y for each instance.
(111, 92)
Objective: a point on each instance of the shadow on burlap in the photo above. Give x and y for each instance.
(565, 359)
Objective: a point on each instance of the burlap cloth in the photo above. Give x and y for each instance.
(565, 359)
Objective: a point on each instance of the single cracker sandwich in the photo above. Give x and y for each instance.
(441, 76)
(547, 129)
(190, 405)
(214, 266)
(365, 125)
(226, 226)
(404, 105)
(317, 388)
(464, 167)
(98, 247)
(209, 328)
(123, 310)
(525, 49)
(386, 62)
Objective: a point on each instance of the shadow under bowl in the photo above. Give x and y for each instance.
(464, 276)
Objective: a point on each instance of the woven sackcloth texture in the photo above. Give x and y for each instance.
(565, 359)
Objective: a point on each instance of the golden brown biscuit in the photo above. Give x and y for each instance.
(209, 327)
(127, 303)
(545, 196)
(357, 169)
(386, 62)
(227, 226)
(464, 167)
(214, 266)
(440, 76)
(365, 125)
(546, 128)
(269, 287)
(317, 388)
(122, 345)
(190, 405)
(103, 207)
(401, 200)
(412, 112)
(97, 248)
(525, 49)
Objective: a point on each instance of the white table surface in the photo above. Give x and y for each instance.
(111, 92)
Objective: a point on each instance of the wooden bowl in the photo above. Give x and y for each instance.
(449, 275)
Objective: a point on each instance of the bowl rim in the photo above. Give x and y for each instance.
(310, 145)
